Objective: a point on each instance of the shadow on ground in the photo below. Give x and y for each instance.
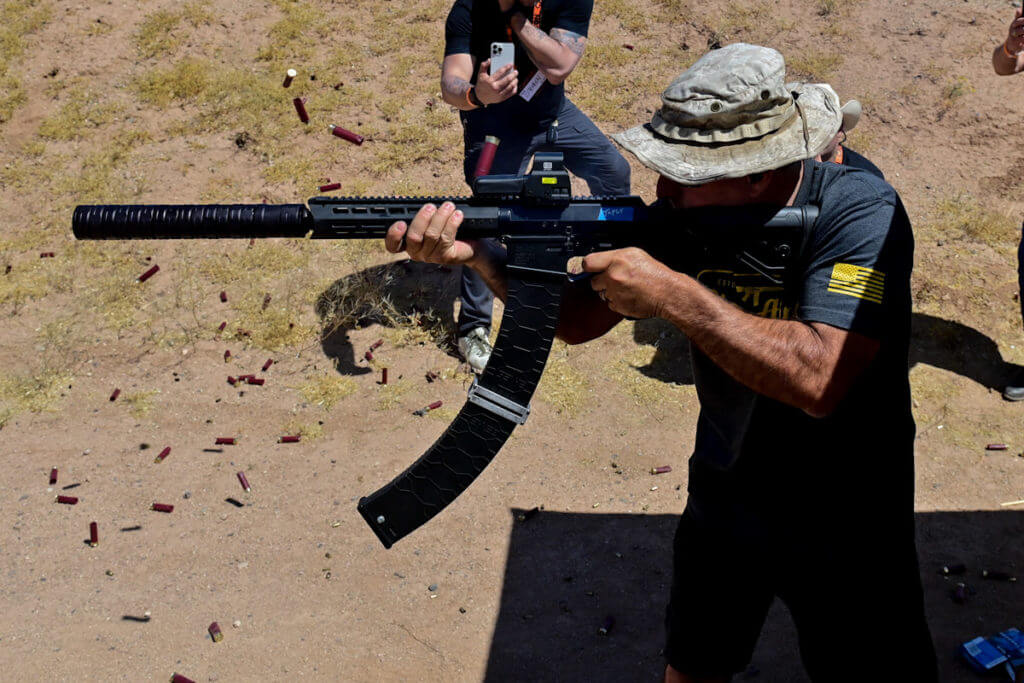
(934, 341)
(398, 294)
(567, 572)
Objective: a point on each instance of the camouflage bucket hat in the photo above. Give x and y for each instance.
(732, 114)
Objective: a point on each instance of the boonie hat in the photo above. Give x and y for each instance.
(732, 114)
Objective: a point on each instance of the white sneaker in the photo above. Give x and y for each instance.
(475, 348)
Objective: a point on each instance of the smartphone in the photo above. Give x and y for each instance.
(502, 54)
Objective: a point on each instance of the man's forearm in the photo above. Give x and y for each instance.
(785, 360)
(454, 90)
(553, 58)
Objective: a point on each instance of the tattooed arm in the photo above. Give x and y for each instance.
(555, 55)
(456, 73)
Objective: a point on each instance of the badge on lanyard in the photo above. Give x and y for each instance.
(537, 80)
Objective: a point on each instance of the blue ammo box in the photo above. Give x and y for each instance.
(982, 655)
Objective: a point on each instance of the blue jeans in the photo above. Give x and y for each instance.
(588, 154)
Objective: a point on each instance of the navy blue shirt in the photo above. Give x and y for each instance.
(853, 274)
(855, 160)
(473, 26)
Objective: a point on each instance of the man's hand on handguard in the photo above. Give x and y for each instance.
(631, 281)
(431, 237)
(498, 88)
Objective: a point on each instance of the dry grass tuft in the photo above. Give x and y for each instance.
(814, 65)
(327, 390)
(563, 386)
(34, 393)
(156, 35)
(962, 217)
(83, 111)
(309, 432)
(139, 403)
(390, 395)
(18, 19)
(954, 90)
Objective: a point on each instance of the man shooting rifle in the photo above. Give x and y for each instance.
(804, 392)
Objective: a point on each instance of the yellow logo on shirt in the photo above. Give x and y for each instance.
(859, 282)
(750, 291)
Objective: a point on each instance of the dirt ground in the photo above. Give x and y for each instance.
(166, 102)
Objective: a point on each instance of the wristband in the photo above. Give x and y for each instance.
(1007, 52)
(473, 98)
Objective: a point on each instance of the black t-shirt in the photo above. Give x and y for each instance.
(473, 26)
(855, 160)
(854, 274)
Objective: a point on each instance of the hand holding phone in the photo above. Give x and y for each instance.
(502, 54)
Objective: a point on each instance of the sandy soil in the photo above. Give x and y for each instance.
(476, 594)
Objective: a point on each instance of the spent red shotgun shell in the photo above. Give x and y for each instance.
(606, 625)
(47, 254)
(113, 396)
(954, 569)
(221, 327)
(53, 476)
(994, 575)
(178, 678)
(288, 76)
(290, 439)
(231, 380)
(266, 302)
(162, 507)
(149, 273)
(66, 500)
(257, 381)
(664, 469)
(330, 187)
(227, 355)
(368, 355)
(163, 454)
(376, 345)
(486, 158)
(300, 108)
(224, 441)
(244, 482)
(266, 366)
(384, 376)
(996, 447)
(215, 632)
(224, 297)
(354, 138)
(94, 534)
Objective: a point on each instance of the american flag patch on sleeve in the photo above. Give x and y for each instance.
(859, 282)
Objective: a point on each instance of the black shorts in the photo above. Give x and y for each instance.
(852, 585)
